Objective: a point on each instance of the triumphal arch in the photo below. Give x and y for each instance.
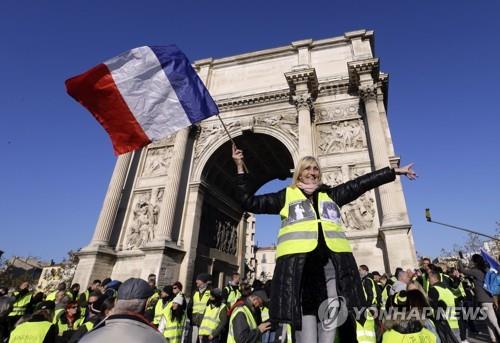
(170, 209)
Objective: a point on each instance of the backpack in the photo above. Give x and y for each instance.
(492, 282)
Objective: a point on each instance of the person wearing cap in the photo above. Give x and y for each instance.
(39, 328)
(213, 325)
(198, 303)
(231, 292)
(245, 324)
(127, 324)
(173, 320)
(166, 296)
(95, 314)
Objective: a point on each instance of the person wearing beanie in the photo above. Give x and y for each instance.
(245, 324)
(213, 325)
(166, 296)
(173, 318)
(198, 303)
(127, 324)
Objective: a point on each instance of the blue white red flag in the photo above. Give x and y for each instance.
(143, 95)
(494, 265)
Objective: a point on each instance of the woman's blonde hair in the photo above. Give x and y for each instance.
(304, 162)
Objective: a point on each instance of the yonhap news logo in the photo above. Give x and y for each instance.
(332, 313)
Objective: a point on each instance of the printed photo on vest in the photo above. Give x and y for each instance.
(300, 211)
(330, 211)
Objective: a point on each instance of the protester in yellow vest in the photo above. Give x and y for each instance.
(443, 302)
(22, 304)
(406, 320)
(61, 287)
(213, 325)
(198, 303)
(231, 292)
(172, 324)
(245, 325)
(84, 297)
(38, 329)
(69, 321)
(312, 247)
(166, 296)
(96, 308)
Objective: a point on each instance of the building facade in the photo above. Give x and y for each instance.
(170, 208)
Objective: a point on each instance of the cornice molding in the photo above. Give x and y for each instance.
(303, 74)
(358, 67)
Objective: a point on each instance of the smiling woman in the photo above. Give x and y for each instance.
(314, 257)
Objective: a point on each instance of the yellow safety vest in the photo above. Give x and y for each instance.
(83, 309)
(232, 295)
(160, 310)
(57, 313)
(423, 336)
(173, 328)
(151, 299)
(299, 224)
(446, 296)
(374, 291)
(264, 313)
(89, 325)
(211, 319)
(366, 333)
(250, 321)
(200, 303)
(20, 305)
(63, 327)
(30, 332)
(52, 296)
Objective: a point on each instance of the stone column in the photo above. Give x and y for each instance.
(378, 145)
(303, 103)
(104, 227)
(303, 84)
(168, 206)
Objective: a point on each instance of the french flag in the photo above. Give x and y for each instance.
(143, 95)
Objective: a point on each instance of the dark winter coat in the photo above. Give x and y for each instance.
(298, 284)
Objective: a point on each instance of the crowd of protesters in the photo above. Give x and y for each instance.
(405, 306)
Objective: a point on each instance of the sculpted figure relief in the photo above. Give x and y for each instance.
(226, 236)
(359, 215)
(337, 112)
(210, 133)
(333, 177)
(286, 122)
(144, 220)
(157, 161)
(341, 137)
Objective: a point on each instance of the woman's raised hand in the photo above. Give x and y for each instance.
(238, 159)
(408, 171)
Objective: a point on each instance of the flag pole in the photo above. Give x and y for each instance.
(231, 139)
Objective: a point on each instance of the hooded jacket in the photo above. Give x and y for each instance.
(288, 300)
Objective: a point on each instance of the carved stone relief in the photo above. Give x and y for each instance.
(210, 133)
(143, 219)
(341, 137)
(157, 161)
(336, 112)
(333, 177)
(227, 237)
(359, 214)
(286, 122)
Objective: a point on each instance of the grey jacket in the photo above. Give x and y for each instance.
(481, 295)
(124, 328)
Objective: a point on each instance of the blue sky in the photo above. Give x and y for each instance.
(444, 113)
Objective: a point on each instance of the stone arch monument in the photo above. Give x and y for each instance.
(169, 208)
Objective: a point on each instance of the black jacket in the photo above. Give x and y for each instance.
(287, 298)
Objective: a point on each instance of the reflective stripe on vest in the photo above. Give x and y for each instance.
(366, 333)
(374, 291)
(423, 336)
(160, 310)
(173, 328)
(249, 318)
(299, 224)
(19, 306)
(30, 332)
(89, 325)
(446, 296)
(264, 313)
(199, 304)
(211, 320)
(232, 295)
